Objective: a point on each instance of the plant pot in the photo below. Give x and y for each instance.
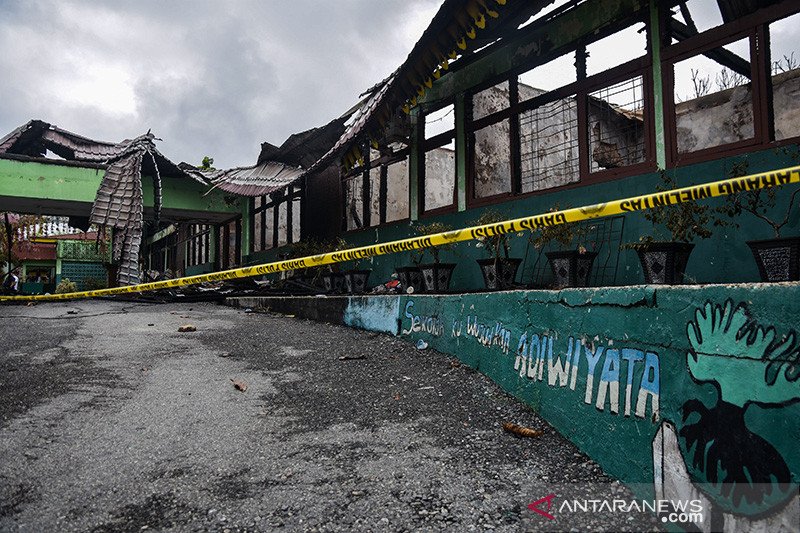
(499, 274)
(664, 263)
(777, 259)
(436, 276)
(410, 277)
(571, 268)
(333, 282)
(355, 281)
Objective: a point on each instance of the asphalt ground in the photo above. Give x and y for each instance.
(111, 420)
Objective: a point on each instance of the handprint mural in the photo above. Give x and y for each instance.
(740, 473)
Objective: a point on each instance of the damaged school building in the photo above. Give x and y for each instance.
(512, 107)
(505, 109)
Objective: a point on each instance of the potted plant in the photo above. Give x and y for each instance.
(499, 269)
(355, 279)
(572, 264)
(778, 259)
(306, 248)
(333, 281)
(411, 276)
(436, 276)
(664, 261)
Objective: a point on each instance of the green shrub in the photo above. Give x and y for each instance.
(65, 286)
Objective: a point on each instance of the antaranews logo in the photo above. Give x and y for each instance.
(535, 506)
(668, 511)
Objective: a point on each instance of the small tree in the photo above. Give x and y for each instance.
(564, 234)
(434, 251)
(207, 164)
(495, 245)
(684, 221)
(760, 203)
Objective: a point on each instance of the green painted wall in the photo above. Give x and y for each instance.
(683, 393)
(724, 258)
(740, 397)
(27, 179)
(24, 179)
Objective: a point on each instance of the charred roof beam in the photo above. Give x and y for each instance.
(681, 32)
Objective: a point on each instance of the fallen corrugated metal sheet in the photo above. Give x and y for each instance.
(258, 180)
(277, 167)
(118, 203)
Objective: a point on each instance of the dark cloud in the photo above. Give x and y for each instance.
(209, 77)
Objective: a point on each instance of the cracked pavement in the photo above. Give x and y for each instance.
(112, 420)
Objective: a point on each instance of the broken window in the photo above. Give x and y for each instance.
(269, 227)
(381, 182)
(440, 174)
(549, 145)
(439, 165)
(616, 125)
(256, 225)
(440, 121)
(397, 190)
(354, 202)
(552, 75)
(713, 97)
(490, 141)
(616, 49)
(197, 244)
(548, 133)
(491, 100)
(294, 228)
(785, 70)
(698, 15)
(282, 220)
(491, 160)
(269, 231)
(375, 194)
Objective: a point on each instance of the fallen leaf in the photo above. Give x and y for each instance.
(521, 430)
(186, 328)
(239, 385)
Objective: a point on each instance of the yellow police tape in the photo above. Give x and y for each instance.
(725, 187)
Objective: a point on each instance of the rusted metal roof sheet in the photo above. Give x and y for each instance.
(258, 180)
(277, 167)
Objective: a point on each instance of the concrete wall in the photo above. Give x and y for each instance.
(727, 116)
(674, 389)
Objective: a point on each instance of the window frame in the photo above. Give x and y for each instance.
(427, 145)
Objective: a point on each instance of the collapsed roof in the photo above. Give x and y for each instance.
(277, 167)
(118, 203)
(459, 28)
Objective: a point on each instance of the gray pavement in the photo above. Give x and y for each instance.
(111, 420)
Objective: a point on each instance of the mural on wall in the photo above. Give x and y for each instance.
(618, 379)
(740, 473)
(722, 439)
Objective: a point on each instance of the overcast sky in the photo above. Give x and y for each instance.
(215, 77)
(210, 77)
